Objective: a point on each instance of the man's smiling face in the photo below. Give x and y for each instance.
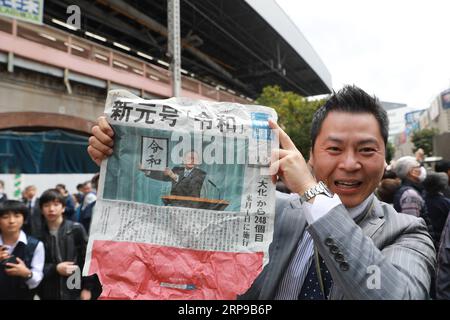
(349, 155)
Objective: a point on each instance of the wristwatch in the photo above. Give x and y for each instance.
(29, 276)
(320, 188)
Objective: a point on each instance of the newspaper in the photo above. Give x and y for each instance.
(185, 205)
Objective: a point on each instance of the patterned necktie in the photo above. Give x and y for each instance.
(311, 289)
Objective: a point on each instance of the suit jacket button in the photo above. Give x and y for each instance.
(334, 249)
(329, 242)
(344, 266)
(339, 257)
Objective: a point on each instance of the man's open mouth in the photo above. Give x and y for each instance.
(347, 184)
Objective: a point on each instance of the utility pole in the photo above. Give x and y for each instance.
(174, 45)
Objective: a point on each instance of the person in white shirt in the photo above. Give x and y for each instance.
(21, 256)
(89, 194)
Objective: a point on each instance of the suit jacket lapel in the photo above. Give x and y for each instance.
(373, 220)
(181, 175)
(293, 224)
(369, 225)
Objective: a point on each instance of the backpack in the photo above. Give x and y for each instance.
(32, 243)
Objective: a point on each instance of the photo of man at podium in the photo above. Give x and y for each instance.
(187, 184)
(187, 180)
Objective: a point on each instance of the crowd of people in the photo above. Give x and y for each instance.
(43, 243)
(412, 189)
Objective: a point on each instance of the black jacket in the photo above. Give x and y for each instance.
(443, 269)
(189, 186)
(438, 208)
(72, 241)
(35, 221)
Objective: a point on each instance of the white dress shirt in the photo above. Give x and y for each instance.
(323, 205)
(294, 276)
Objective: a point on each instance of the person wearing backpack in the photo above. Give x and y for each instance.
(21, 256)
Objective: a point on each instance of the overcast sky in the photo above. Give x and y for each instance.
(398, 50)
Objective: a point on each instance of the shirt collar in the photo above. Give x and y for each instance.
(357, 211)
(22, 238)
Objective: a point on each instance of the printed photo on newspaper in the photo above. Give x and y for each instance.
(186, 204)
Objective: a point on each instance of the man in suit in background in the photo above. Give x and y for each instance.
(443, 267)
(444, 166)
(333, 239)
(186, 180)
(33, 223)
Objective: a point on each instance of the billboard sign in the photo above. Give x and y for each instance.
(412, 121)
(26, 10)
(445, 96)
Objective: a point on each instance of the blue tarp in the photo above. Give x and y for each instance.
(54, 151)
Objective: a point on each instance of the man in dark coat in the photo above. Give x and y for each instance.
(438, 206)
(187, 180)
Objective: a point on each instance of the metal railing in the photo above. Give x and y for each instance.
(88, 50)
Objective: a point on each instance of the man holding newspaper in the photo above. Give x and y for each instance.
(333, 239)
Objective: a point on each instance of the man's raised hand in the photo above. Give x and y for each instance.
(288, 164)
(101, 143)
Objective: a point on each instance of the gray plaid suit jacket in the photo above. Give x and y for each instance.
(397, 244)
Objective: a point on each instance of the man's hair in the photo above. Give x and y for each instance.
(61, 186)
(13, 206)
(30, 187)
(94, 180)
(442, 166)
(350, 99)
(387, 188)
(435, 182)
(404, 165)
(86, 183)
(389, 174)
(51, 195)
